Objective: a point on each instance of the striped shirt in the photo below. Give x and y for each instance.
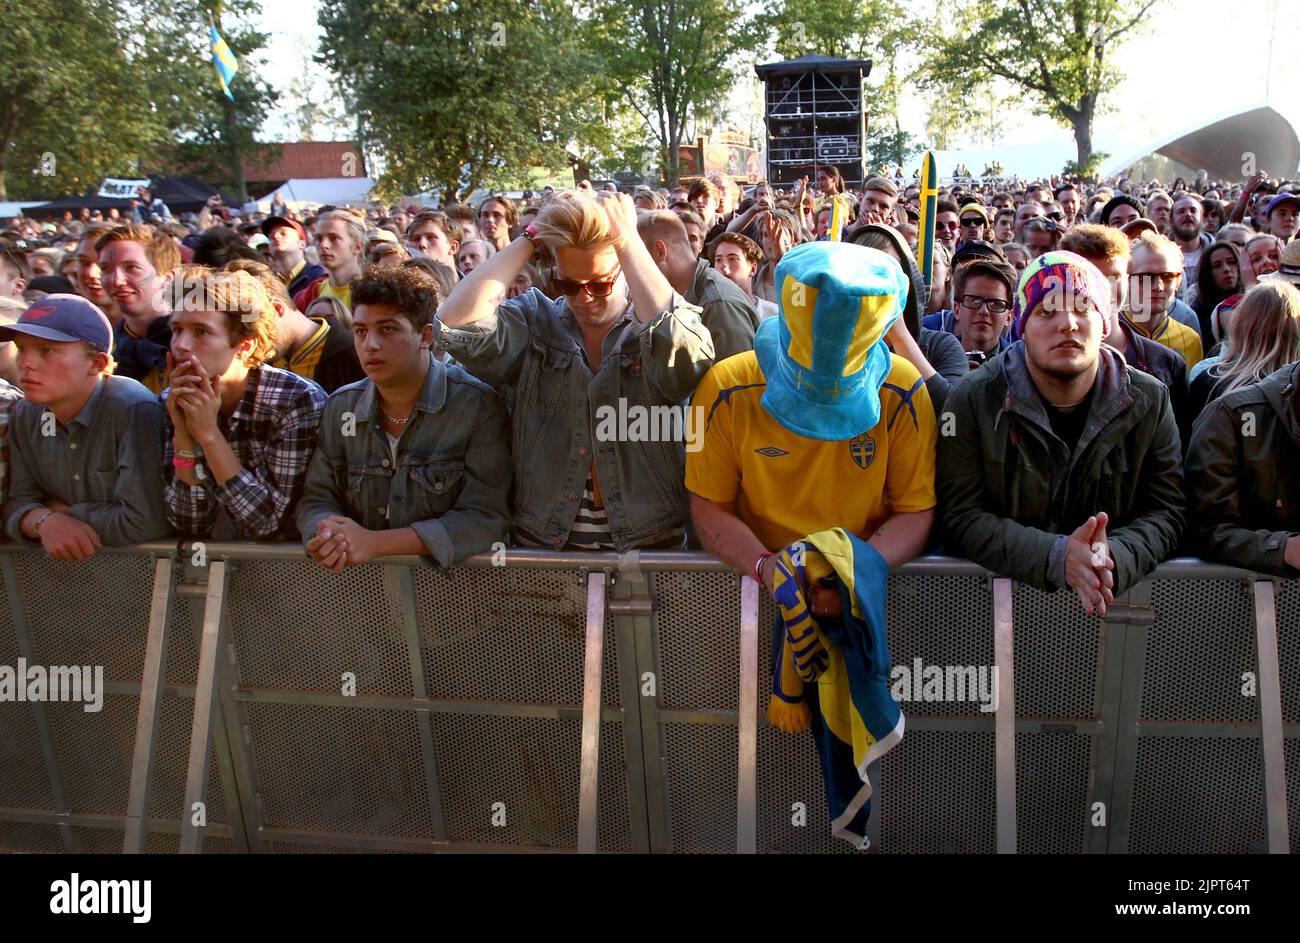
(591, 531)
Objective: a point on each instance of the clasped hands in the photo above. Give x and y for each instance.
(339, 542)
(1089, 567)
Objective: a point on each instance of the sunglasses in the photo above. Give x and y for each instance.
(1056, 216)
(597, 289)
(11, 253)
(973, 221)
(1046, 225)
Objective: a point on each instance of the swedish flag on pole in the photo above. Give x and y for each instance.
(225, 61)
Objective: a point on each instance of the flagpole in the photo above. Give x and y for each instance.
(231, 128)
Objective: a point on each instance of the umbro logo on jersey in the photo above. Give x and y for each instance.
(771, 452)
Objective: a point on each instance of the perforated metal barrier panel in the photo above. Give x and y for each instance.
(400, 708)
(65, 771)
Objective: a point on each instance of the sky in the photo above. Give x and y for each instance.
(1196, 60)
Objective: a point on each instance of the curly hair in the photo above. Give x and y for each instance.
(408, 289)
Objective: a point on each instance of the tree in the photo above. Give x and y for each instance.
(311, 108)
(95, 88)
(670, 60)
(453, 95)
(71, 107)
(1054, 51)
(209, 133)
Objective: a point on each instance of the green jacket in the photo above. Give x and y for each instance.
(1242, 474)
(1010, 492)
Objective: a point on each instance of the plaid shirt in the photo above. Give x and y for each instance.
(272, 432)
(9, 395)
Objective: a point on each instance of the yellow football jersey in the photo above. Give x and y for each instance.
(786, 486)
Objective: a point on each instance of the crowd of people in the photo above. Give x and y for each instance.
(1091, 378)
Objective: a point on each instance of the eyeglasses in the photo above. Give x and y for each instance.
(597, 289)
(975, 302)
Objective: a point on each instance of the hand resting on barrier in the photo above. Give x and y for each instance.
(340, 541)
(1089, 568)
(63, 536)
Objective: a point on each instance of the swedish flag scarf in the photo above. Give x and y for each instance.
(853, 717)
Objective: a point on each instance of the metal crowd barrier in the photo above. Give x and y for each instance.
(605, 702)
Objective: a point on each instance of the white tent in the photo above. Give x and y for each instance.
(16, 209)
(337, 191)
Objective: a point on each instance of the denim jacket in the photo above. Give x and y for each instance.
(450, 480)
(531, 349)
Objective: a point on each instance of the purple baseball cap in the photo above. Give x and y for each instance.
(64, 318)
(1279, 200)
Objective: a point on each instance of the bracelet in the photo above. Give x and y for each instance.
(186, 453)
(758, 566)
(36, 524)
(179, 462)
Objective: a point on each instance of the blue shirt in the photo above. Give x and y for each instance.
(946, 320)
(107, 464)
(448, 478)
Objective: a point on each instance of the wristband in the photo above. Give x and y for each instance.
(178, 462)
(530, 233)
(758, 566)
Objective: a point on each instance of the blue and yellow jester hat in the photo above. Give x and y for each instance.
(824, 357)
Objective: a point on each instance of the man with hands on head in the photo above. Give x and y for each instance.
(239, 433)
(414, 459)
(1063, 466)
(620, 339)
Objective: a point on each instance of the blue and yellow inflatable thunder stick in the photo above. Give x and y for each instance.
(929, 198)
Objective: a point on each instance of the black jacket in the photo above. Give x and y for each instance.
(1010, 492)
(1243, 474)
(1168, 366)
(338, 365)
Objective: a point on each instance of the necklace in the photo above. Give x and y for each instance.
(1056, 405)
(398, 422)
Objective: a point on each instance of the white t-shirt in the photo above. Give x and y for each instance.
(1191, 262)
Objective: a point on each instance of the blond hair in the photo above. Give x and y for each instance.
(573, 219)
(356, 225)
(159, 248)
(1161, 245)
(1263, 335)
(265, 276)
(239, 296)
(1093, 241)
